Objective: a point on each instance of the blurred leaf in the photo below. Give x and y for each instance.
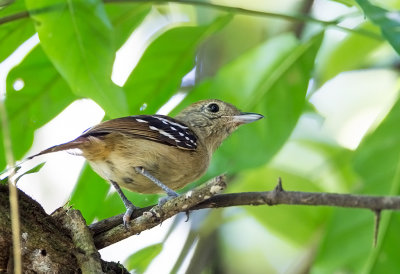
(171, 56)
(89, 194)
(77, 37)
(13, 33)
(43, 96)
(125, 17)
(377, 161)
(274, 85)
(295, 223)
(338, 160)
(140, 260)
(350, 54)
(35, 169)
(388, 21)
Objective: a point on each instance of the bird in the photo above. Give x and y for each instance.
(157, 153)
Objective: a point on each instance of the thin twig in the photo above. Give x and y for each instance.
(293, 17)
(15, 224)
(377, 223)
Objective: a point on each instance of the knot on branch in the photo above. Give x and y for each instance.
(273, 197)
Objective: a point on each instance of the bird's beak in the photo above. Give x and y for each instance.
(247, 117)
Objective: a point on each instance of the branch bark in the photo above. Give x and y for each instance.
(111, 230)
(60, 243)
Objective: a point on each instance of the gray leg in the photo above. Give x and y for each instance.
(169, 191)
(128, 204)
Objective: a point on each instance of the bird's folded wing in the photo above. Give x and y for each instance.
(158, 128)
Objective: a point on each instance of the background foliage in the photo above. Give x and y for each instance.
(277, 59)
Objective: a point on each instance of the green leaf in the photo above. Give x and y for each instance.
(377, 161)
(274, 85)
(14, 33)
(388, 21)
(35, 169)
(44, 95)
(171, 56)
(125, 17)
(351, 53)
(78, 38)
(141, 260)
(89, 194)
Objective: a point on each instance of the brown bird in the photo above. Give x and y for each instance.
(151, 153)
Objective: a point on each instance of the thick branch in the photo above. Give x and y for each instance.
(111, 230)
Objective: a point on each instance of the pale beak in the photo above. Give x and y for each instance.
(247, 117)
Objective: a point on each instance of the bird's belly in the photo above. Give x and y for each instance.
(174, 171)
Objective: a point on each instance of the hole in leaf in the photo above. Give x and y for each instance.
(18, 84)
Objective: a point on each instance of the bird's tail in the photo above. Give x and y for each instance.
(66, 146)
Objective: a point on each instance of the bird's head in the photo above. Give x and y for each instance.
(214, 120)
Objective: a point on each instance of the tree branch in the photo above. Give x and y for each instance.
(111, 230)
(157, 214)
(293, 17)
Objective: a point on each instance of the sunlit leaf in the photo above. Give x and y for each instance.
(77, 36)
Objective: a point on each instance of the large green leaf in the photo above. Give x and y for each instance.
(171, 56)
(271, 79)
(13, 33)
(78, 38)
(125, 17)
(44, 95)
(377, 161)
(388, 21)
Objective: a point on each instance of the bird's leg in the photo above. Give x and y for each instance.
(171, 194)
(128, 204)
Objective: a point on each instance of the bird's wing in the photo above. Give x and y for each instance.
(158, 128)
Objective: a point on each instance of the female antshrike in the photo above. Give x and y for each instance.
(151, 153)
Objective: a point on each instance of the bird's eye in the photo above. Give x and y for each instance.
(213, 107)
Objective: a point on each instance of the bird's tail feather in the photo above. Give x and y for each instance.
(66, 146)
